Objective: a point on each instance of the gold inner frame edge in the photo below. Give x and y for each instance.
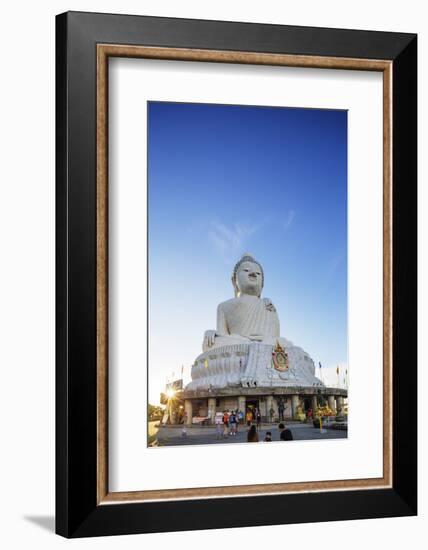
(104, 51)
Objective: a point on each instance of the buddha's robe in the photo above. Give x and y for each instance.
(244, 319)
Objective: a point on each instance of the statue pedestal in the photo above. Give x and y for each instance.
(250, 365)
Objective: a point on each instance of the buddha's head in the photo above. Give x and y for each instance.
(248, 277)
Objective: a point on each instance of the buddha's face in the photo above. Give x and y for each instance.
(249, 279)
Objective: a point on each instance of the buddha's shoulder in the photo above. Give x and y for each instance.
(236, 302)
(228, 304)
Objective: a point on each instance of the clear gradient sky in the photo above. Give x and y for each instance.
(224, 180)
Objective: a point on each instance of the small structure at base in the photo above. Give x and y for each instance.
(274, 404)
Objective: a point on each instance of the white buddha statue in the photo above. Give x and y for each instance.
(247, 317)
(240, 350)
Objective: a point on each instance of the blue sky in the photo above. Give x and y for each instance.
(224, 180)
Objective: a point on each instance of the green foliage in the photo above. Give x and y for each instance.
(155, 412)
(322, 401)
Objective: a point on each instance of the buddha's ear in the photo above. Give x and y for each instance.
(235, 287)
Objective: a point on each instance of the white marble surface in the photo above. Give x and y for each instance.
(250, 364)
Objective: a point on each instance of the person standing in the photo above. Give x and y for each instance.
(239, 419)
(226, 418)
(281, 409)
(249, 417)
(258, 420)
(225, 424)
(252, 436)
(218, 426)
(271, 413)
(233, 422)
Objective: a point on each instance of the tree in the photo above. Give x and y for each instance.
(155, 412)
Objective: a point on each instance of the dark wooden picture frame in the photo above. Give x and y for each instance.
(84, 43)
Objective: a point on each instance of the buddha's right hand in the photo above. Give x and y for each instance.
(209, 338)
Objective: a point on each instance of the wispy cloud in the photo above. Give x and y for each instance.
(231, 240)
(289, 219)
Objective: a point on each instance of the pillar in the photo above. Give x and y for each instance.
(314, 403)
(339, 405)
(269, 406)
(288, 413)
(295, 402)
(188, 409)
(331, 402)
(212, 408)
(242, 404)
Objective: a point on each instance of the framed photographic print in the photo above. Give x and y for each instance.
(236, 264)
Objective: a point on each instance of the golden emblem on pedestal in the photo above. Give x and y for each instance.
(280, 358)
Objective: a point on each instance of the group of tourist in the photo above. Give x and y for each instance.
(227, 424)
(284, 434)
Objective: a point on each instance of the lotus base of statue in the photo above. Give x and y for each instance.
(253, 364)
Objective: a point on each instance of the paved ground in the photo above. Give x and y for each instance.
(168, 435)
